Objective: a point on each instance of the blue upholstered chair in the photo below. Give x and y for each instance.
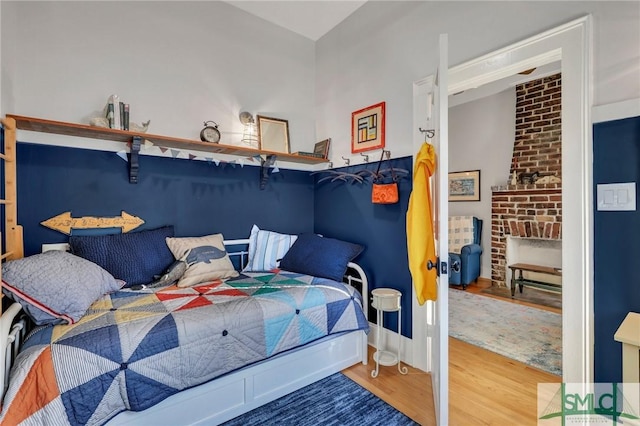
(464, 267)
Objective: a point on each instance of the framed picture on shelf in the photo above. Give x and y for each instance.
(367, 128)
(464, 186)
(322, 148)
(273, 134)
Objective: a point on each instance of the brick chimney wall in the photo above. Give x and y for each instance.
(532, 210)
(538, 143)
(522, 211)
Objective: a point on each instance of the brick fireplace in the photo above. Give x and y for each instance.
(531, 210)
(522, 211)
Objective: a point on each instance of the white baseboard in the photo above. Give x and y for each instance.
(390, 340)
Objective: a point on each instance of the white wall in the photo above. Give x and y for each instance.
(382, 48)
(176, 63)
(481, 136)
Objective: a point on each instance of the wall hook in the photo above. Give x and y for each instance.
(366, 157)
(428, 133)
(346, 161)
(331, 164)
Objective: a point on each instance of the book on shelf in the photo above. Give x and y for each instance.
(113, 112)
(308, 154)
(109, 113)
(322, 148)
(122, 116)
(125, 117)
(117, 113)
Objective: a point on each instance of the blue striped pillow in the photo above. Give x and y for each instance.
(266, 248)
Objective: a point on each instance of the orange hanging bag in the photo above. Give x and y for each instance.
(384, 193)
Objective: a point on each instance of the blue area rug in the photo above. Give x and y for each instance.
(335, 400)
(529, 335)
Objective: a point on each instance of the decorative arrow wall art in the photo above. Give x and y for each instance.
(64, 222)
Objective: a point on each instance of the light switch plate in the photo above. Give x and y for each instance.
(617, 196)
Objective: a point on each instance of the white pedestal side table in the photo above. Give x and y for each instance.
(387, 300)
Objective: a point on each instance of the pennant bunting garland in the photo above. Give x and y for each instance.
(175, 153)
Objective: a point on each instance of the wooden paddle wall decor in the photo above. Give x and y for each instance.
(65, 223)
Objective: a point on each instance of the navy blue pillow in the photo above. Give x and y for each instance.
(134, 257)
(320, 256)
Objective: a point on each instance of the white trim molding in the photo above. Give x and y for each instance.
(616, 111)
(390, 341)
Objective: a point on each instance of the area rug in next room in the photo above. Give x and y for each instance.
(529, 335)
(335, 400)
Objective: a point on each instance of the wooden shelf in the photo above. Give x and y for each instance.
(91, 132)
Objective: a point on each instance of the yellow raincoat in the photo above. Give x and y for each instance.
(420, 240)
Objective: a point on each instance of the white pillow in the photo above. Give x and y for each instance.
(266, 248)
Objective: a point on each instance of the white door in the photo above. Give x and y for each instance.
(431, 107)
(440, 193)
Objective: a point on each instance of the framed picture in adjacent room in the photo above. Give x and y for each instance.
(367, 128)
(464, 186)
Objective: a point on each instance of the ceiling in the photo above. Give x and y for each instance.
(312, 19)
(315, 18)
(503, 84)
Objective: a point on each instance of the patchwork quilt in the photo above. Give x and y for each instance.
(135, 348)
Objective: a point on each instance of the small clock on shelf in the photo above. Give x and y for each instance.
(210, 133)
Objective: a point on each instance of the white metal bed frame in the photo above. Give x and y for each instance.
(220, 399)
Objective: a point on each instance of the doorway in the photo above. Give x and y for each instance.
(503, 127)
(570, 44)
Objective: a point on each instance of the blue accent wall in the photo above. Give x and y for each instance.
(200, 198)
(616, 154)
(197, 197)
(344, 210)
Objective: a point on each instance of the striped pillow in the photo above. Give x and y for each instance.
(56, 287)
(266, 248)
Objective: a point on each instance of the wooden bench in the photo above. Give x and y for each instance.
(521, 281)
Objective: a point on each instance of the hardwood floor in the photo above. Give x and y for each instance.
(484, 283)
(484, 388)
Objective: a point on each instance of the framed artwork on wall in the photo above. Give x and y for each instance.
(464, 186)
(367, 128)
